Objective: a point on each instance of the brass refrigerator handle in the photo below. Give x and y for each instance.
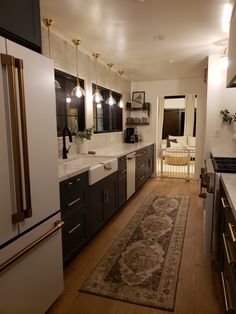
(57, 225)
(9, 62)
(227, 304)
(224, 203)
(232, 233)
(19, 66)
(229, 260)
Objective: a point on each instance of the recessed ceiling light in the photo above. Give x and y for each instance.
(171, 61)
(139, 1)
(159, 37)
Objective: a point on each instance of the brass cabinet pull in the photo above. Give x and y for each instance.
(74, 202)
(78, 179)
(229, 260)
(105, 196)
(70, 183)
(227, 306)
(232, 233)
(223, 201)
(142, 165)
(57, 225)
(124, 171)
(141, 179)
(73, 229)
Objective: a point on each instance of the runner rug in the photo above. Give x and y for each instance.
(142, 265)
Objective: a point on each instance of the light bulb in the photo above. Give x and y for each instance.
(68, 100)
(121, 103)
(78, 91)
(97, 97)
(110, 101)
(99, 106)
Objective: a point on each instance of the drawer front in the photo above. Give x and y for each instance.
(122, 164)
(73, 233)
(141, 158)
(140, 177)
(73, 192)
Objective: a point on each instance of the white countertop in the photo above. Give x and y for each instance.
(68, 168)
(223, 152)
(118, 150)
(229, 182)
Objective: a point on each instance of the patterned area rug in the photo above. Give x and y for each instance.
(142, 266)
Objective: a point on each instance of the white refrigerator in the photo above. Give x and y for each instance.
(31, 271)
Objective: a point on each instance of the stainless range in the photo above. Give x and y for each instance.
(209, 190)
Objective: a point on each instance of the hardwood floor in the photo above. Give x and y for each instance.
(196, 291)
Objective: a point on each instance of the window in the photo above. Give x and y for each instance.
(70, 114)
(107, 118)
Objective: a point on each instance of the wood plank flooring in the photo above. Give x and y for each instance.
(196, 291)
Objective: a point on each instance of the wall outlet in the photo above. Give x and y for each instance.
(217, 133)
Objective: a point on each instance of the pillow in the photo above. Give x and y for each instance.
(176, 145)
(191, 141)
(179, 139)
(169, 141)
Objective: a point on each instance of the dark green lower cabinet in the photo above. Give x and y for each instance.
(102, 203)
(73, 233)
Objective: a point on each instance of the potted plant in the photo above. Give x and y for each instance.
(83, 137)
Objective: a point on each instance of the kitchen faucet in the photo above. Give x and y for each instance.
(65, 150)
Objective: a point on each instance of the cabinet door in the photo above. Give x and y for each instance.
(95, 217)
(20, 22)
(150, 161)
(110, 195)
(122, 189)
(73, 233)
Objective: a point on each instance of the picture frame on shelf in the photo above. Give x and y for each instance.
(138, 99)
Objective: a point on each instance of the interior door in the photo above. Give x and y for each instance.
(40, 109)
(7, 229)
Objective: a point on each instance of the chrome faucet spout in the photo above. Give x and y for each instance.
(65, 150)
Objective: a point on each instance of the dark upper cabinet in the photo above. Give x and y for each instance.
(20, 22)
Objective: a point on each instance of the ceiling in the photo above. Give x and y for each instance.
(125, 32)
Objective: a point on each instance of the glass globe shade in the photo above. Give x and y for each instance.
(97, 97)
(78, 91)
(68, 100)
(99, 106)
(110, 101)
(121, 103)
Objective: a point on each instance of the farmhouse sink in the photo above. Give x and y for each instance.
(98, 167)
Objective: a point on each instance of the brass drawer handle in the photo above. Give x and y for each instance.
(227, 306)
(78, 179)
(74, 202)
(232, 232)
(141, 166)
(223, 201)
(229, 260)
(124, 171)
(70, 183)
(141, 179)
(73, 229)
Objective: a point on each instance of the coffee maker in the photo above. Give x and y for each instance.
(130, 135)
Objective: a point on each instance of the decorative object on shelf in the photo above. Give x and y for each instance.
(77, 91)
(121, 102)
(97, 97)
(228, 117)
(138, 99)
(48, 23)
(110, 100)
(82, 140)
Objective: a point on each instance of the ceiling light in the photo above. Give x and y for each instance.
(110, 100)
(171, 61)
(77, 91)
(97, 97)
(227, 12)
(48, 23)
(159, 37)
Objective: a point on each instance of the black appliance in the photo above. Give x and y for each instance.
(130, 135)
(224, 164)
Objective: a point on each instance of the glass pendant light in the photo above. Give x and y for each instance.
(48, 23)
(121, 101)
(97, 97)
(99, 105)
(77, 91)
(110, 100)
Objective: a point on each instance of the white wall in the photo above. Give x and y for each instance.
(64, 55)
(218, 134)
(155, 89)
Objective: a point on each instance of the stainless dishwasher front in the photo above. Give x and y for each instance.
(130, 174)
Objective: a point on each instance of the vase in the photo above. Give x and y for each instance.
(82, 146)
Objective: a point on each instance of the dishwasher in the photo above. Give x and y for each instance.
(130, 174)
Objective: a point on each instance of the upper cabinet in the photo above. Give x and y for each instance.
(20, 22)
(231, 73)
